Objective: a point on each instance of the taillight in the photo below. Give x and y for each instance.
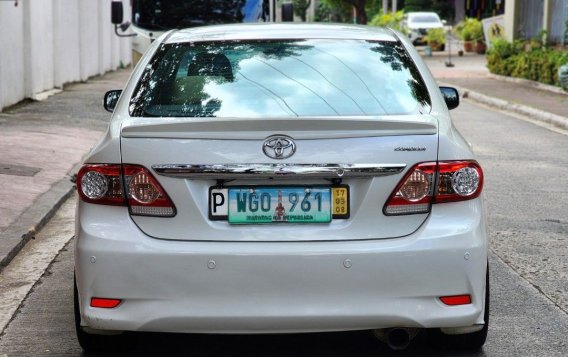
(458, 181)
(131, 185)
(414, 192)
(101, 184)
(146, 197)
(435, 182)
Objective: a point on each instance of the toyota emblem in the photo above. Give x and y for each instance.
(279, 147)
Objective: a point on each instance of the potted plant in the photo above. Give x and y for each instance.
(463, 34)
(470, 32)
(436, 39)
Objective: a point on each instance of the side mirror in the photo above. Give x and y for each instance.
(111, 98)
(116, 12)
(451, 97)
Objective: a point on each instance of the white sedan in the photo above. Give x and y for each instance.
(282, 178)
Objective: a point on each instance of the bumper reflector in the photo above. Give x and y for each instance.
(105, 303)
(456, 300)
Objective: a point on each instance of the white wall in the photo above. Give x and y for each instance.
(47, 43)
(12, 81)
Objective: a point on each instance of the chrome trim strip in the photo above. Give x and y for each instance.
(263, 171)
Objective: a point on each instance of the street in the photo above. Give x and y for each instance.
(525, 188)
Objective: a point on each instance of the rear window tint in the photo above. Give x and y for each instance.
(290, 78)
(425, 18)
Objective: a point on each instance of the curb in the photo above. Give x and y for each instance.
(536, 114)
(529, 83)
(33, 219)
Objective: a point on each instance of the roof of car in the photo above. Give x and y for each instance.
(267, 31)
(422, 13)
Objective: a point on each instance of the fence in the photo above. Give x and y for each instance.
(559, 20)
(47, 43)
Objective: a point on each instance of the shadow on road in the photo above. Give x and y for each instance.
(345, 344)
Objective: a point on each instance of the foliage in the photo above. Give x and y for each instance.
(342, 10)
(300, 8)
(537, 64)
(373, 8)
(469, 29)
(359, 5)
(435, 36)
(445, 9)
(334, 11)
(390, 19)
(418, 5)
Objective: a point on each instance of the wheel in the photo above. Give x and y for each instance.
(90, 342)
(468, 341)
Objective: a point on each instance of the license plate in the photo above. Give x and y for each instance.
(275, 204)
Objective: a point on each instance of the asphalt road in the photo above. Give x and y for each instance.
(526, 189)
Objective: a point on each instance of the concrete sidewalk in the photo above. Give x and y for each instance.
(42, 143)
(471, 77)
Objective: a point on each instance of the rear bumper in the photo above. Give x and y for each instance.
(255, 287)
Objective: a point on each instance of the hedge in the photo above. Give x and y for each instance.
(536, 63)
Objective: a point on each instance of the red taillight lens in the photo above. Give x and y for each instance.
(103, 184)
(146, 197)
(414, 192)
(453, 180)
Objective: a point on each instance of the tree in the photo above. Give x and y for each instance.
(359, 5)
(334, 11)
(418, 5)
(301, 7)
(360, 10)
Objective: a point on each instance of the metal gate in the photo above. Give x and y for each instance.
(531, 14)
(558, 21)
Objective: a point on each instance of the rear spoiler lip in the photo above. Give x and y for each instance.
(298, 128)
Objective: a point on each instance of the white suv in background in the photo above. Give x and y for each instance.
(417, 25)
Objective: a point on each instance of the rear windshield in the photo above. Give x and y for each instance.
(289, 78)
(425, 18)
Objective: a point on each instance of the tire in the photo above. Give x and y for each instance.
(90, 342)
(469, 341)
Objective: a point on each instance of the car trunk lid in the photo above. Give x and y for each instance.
(192, 157)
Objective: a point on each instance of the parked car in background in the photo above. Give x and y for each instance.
(281, 178)
(417, 24)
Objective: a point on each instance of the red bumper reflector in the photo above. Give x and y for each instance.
(105, 303)
(456, 300)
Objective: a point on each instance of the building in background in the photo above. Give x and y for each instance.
(483, 8)
(527, 19)
(524, 19)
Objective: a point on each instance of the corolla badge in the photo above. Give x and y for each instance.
(279, 147)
